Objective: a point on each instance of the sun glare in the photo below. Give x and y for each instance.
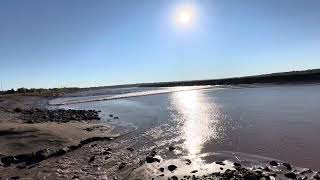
(184, 15)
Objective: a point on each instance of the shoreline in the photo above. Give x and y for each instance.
(117, 158)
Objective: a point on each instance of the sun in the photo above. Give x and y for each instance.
(184, 16)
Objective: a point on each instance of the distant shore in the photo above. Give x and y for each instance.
(308, 76)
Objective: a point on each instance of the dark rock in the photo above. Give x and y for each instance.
(172, 167)
(153, 153)
(161, 169)
(220, 163)
(43, 154)
(229, 173)
(106, 152)
(8, 160)
(194, 171)
(130, 149)
(316, 177)
(273, 163)
(266, 168)
(171, 148)
(290, 175)
(150, 159)
(237, 164)
(251, 177)
(92, 159)
(174, 178)
(122, 165)
(15, 177)
(287, 165)
(221, 168)
(60, 152)
(116, 117)
(17, 110)
(93, 145)
(188, 162)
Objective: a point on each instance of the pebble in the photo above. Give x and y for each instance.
(273, 163)
(172, 167)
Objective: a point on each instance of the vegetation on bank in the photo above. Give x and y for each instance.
(40, 91)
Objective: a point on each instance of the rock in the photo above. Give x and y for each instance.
(8, 160)
(93, 145)
(150, 159)
(171, 148)
(106, 152)
(316, 177)
(172, 167)
(153, 153)
(60, 152)
(273, 163)
(287, 165)
(43, 154)
(92, 159)
(237, 164)
(250, 177)
(17, 110)
(229, 173)
(266, 168)
(161, 169)
(220, 163)
(174, 178)
(221, 168)
(304, 171)
(15, 177)
(290, 175)
(188, 162)
(130, 149)
(122, 165)
(194, 171)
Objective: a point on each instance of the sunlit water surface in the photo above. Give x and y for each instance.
(280, 122)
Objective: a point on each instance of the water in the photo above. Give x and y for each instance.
(280, 122)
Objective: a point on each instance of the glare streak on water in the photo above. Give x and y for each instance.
(196, 118)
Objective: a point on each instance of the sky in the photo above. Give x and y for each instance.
(68, 43)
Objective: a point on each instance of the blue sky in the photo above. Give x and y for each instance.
(57, 43)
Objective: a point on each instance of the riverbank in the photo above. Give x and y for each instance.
(80, 149)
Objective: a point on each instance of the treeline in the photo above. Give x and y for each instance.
(23, 90)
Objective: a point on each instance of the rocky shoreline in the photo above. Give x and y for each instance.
(226, 169)
(36, 115)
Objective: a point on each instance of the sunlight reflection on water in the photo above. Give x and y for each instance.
(197, 119)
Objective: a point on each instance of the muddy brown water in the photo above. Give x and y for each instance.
(281, 122)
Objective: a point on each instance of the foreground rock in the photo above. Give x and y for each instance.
(59, 115)
(43, 154)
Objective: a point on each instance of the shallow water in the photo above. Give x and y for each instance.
(280, 122)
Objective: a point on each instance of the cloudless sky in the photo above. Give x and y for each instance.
(55, 43)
